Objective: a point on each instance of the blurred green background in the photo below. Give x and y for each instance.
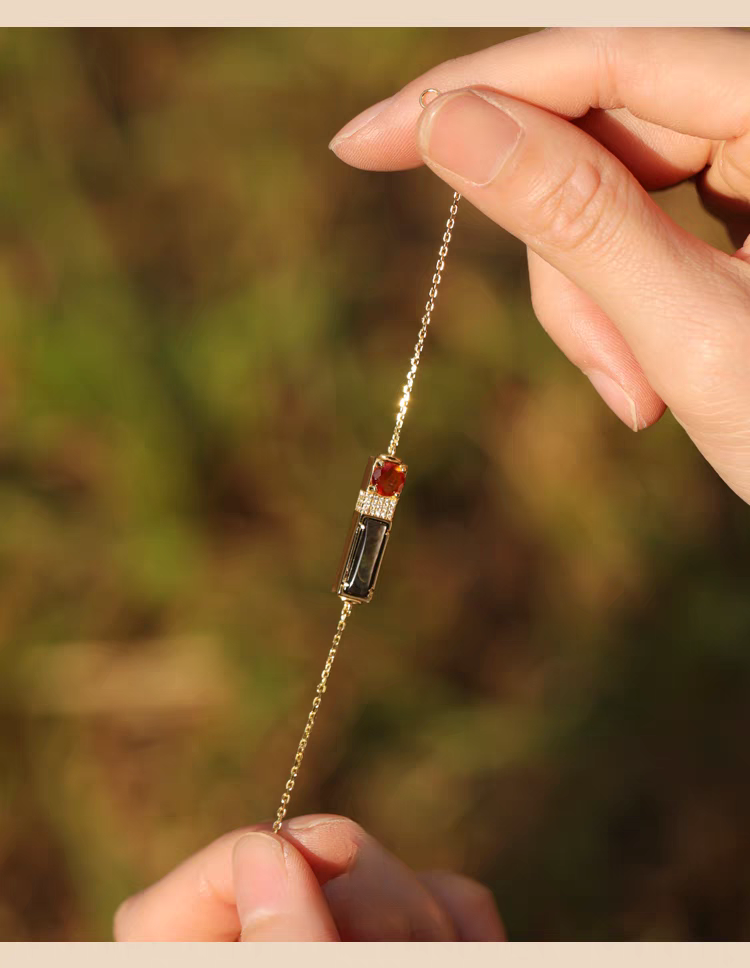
(205, 322)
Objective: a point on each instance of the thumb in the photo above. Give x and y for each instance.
(277, 895)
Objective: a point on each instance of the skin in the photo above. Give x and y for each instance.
(556, 137)
(322, 879)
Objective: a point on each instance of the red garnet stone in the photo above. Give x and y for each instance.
(388, 478)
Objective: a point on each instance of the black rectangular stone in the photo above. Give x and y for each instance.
(365, 556)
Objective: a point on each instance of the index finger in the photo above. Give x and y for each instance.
(691, 80)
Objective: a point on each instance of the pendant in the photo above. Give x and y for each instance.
(370, 528)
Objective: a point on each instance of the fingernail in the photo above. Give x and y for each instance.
(615, 397)
(356, 124)
(311, 821)
(470, 135)
(260, 877)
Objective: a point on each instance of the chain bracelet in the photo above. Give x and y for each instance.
(371, 522)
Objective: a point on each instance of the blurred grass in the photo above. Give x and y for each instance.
(204, 320)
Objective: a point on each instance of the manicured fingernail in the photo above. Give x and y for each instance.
(470, 135)
(356, 124)
(618, 401)
(260, 877)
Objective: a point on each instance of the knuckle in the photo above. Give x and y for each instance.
(701, 367)
(707, 369)
(604, 47)
(592, 35)
(581, 206)
(607, 44)
(704, 371)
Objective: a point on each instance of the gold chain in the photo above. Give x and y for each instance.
(347, 607)
(287, 794)
(426, 320)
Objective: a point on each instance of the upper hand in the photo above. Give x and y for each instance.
(557, 136)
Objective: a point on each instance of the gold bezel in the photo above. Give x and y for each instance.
(356, 522)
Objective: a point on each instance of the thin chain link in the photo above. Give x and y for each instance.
(287, 794)
(426, 320)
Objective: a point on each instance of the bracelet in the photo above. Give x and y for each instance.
(371, 523)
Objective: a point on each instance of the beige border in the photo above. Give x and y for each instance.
(513, 955)
(386, 13)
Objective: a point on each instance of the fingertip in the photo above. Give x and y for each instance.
(617, 399)
(638, 409)
(357, 124)
(277, 895)
(651, 410)
(257, 847)
(590, 340)
(328, 842)
(381, 138)
(261, 881)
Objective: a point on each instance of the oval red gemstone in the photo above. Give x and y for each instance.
(388, 478)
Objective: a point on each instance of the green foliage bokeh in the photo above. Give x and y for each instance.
(204, 320)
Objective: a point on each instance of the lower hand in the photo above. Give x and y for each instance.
(322, 879)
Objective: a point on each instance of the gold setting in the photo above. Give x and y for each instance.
(376, 506)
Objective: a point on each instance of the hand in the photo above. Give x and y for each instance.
(322, 879)
(557, 136)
